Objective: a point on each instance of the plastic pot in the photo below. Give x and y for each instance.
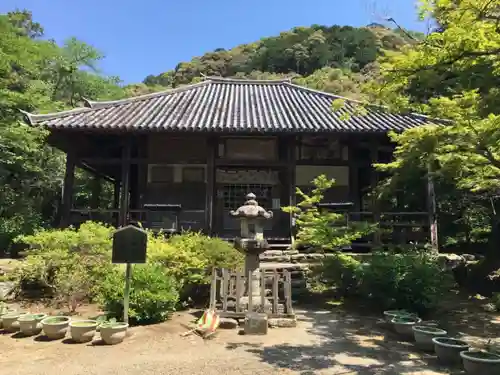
(424, 334)
(55, 327)
(10, 321)
(5, 312)
(83, 330)
(481, 363)
(113, 333)
(391, 314)
(30, 324)
(448, 349)
(403, 325)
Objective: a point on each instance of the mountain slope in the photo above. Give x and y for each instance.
(335, 59)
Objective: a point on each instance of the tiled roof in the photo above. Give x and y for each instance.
(221, 104)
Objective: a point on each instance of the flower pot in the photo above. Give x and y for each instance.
(83, 330)
(55, 327)
(391, 314)
(5, 312)
(113, 333)
(448, 349)
(481, 363)
(403, 325)
(30, 324)
(424, 334)
(10, 321)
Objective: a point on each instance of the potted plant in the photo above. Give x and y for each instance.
(113, 332)
(391, 314)
(403, 324)
(30, 324)
(55, 327)
(424, 334)
(448, 349)
(4, 309)
(10, 321)
(480, 362)
(83, 330)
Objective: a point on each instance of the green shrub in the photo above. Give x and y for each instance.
(404, 281)
(323, 229)
(153, 294)
(339, 271)
(70, 252)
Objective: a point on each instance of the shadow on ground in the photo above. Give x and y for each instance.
(341, 343)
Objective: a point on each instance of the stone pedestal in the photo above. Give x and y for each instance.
(256, 324)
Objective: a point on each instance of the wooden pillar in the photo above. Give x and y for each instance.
(354, 191)
(67, 193)
(431, 203)
(374, 182)
(95, 198)
(125, 182)
(292, 196)
(210, 186)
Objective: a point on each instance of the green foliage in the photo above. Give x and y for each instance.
(153, 294)
(496, 300)
(65, 263)
(327, 58)
(412, 281)
(451, 74)
(323, 229)
(339, 271)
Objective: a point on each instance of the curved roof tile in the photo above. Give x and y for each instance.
(224, 104)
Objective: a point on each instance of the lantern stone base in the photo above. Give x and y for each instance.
(255, 324)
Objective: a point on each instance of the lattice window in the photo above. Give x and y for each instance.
(233, 195)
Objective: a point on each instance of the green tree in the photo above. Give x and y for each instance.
(452, 74)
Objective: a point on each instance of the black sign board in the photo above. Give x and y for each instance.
(129, 245)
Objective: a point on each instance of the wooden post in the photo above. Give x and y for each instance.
(292, 163)
(96, 192)
(126, 293)
(125, 182)
(210, 187)
(67, 192)
(123, 216)
(374, 183)
(431, 203)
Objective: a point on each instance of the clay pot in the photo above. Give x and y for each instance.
(113, 333)
(480, 363)
(448, 349)
(10, 321)
(55, 327)
(424, 334)
(30, 324)
(83, 330)
(403, 325)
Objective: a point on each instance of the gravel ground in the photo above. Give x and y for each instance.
(323, 343)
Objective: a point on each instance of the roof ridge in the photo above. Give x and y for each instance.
(96, 104)
(248, 81)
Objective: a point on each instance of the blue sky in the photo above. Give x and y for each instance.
(141, 37)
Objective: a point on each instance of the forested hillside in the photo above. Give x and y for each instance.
(336, 59)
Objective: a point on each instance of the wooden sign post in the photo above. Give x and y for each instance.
(129, 247)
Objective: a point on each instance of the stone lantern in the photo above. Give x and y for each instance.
(252, 243)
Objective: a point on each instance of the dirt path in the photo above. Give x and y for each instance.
(323, 343)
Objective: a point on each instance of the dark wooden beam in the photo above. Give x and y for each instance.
(431, 204)
(125, 182)
(67, 195)
(95, 198)
(291, 169)
(374, 182)
(210, 187)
